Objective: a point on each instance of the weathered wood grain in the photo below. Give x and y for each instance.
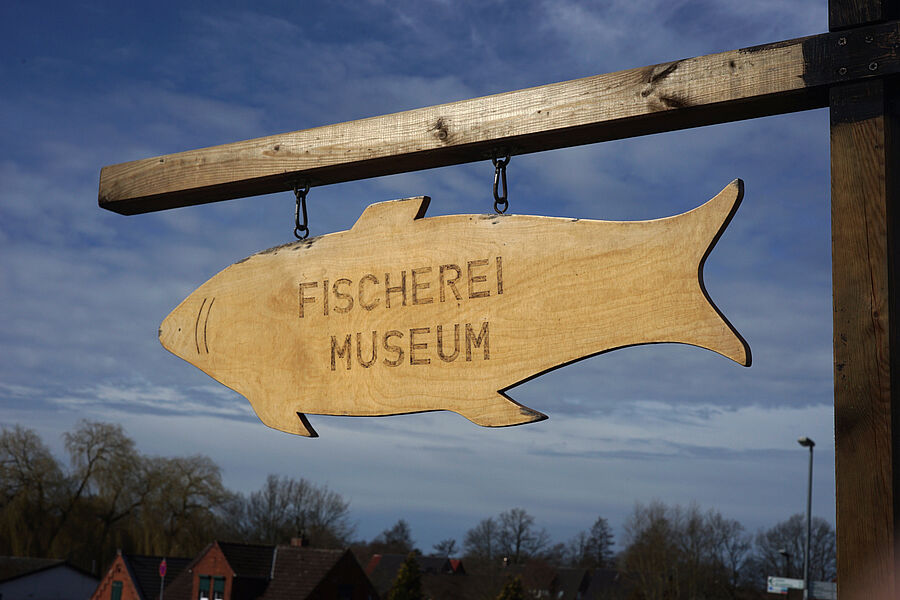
(404, 314)
(739, 84)
(851, 13)
(864, 205)
(865, 208)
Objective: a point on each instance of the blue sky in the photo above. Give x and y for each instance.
(82, 290)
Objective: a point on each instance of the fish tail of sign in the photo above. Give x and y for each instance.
(717, 334)
(499, 410)
(707, 327)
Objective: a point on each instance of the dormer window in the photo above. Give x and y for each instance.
(211, 587)
(204, 587)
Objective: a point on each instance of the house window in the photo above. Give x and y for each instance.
(116, 591)
(218, 588)
(212, 588)
(204, 587)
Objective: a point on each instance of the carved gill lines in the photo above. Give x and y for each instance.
(198, 332)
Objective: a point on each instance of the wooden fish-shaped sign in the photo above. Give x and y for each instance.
(405, 314)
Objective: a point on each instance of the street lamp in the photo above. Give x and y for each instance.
(807, 443)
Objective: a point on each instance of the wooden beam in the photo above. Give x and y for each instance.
(740, 84)
(865, 229)
(865, 208)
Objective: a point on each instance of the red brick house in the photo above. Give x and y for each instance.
(229, 571)
(136, 577)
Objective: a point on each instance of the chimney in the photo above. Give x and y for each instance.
(300, 541)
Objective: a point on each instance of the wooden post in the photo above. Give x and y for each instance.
(865, 210)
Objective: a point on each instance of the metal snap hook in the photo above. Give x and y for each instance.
(500, 198)
(301, 230)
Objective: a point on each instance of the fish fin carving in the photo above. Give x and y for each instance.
(500, 411)
(286, 420)
(709, 328)
(393, 213)
(304, 424)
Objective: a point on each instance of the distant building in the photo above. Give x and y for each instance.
(437, 574)
(43, 579)
(230, 571)
(136, 577)
(570, 584)
(446, 579)
(608, 584)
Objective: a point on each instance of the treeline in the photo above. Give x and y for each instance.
(678, 552)
(111, 496)
(669, 551)
(512, 538)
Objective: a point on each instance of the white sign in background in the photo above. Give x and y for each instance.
(819, 590)
(781, 585)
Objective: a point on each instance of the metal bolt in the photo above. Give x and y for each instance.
(873, 66)
(842, 41)
(842, 71)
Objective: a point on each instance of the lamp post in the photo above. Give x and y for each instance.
(807, 443)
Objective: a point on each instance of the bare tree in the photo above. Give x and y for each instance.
(233, 518)
(673, 551)
(326, 517)
(179, 515)
(32, 489)
(112, 496)
(732, 546)
(268, 511)
(789, 535)
(396, 540)
(651, 555)
(49, 511)
(481, 542)
(512, 535)
(592, 549)
(517, 536)
(107, 468)
(285, 508)
(556, 555)
(577, 550)
(696, 555)
(445, 547)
